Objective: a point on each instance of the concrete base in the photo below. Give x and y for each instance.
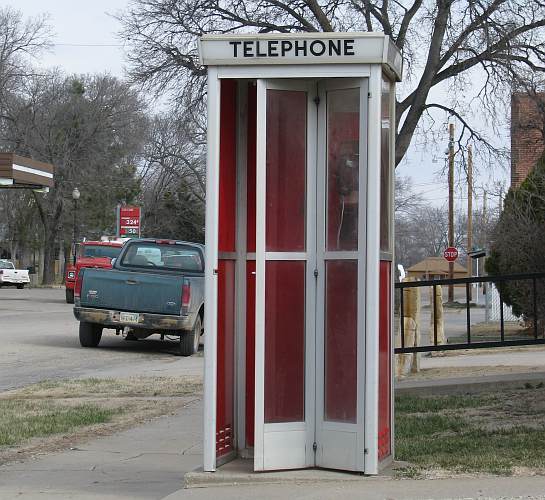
(240, 472)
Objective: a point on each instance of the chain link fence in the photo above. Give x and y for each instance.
(493, 306)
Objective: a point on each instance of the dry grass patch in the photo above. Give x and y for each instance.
(108, 387)
(55, 414)
(498, 433)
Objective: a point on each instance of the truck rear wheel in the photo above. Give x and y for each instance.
(69, 296)
(189, 341)
(89, 334)
(20, 287)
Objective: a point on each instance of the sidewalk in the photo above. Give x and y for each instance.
(146, 462)
(150, 461)
(373, 488)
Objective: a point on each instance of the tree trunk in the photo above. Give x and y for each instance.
(49, 257)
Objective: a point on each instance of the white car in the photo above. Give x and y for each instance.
(9, 276)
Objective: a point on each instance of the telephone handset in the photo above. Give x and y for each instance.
(347, 187)
(347, 168)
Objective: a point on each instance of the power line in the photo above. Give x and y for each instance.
(86, 45)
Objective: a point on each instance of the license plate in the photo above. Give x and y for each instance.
(129, 317)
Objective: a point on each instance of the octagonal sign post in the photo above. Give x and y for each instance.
(451, 254)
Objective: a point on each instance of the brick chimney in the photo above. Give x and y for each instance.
(527, 146)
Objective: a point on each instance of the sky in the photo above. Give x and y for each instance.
(85, 41)
(85, 34)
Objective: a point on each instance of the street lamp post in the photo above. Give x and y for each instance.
(75, 197)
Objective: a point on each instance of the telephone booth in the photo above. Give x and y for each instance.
(299, 248)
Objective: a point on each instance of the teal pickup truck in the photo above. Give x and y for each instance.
(154, 287)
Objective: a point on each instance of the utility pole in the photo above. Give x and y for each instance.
(469, 212)
(483, 235)
(451, 206)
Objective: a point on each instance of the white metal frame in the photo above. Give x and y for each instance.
(211, 269)
(295, 72)
(372, 272)
(241, 265)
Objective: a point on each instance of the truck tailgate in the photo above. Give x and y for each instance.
(132, 291)
(14, 275)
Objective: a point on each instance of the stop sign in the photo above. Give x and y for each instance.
(451, 254)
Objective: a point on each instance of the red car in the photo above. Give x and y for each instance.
(97, 254)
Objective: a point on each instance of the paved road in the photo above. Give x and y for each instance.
(39, 340)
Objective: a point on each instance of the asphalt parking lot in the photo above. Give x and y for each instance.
(39, 340)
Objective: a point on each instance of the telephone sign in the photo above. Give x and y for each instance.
(129, 221)
(451, 254)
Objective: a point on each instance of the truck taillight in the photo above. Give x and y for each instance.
(186, 297)
(79, 281)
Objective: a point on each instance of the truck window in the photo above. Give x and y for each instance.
(99, 251)
(4, 264)
(172, 257)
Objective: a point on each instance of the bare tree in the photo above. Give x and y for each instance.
(90, 128)
(424, 233)
(443, 42)
(20, 41)
(173, 178)
(406, 200)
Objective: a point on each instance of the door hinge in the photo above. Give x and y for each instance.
(317, 100)
(314, 446)
(315, 273)
(368, 95)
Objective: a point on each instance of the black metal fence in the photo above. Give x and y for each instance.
(533, 289)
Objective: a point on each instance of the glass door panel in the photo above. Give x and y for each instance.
(285, 341)
(341, 340)
(286, 170)
(343, 130)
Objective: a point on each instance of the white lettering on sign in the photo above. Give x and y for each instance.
(291, 48)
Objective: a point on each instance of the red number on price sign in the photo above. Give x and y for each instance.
(129, 221)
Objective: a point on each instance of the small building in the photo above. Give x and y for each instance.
(434, 268)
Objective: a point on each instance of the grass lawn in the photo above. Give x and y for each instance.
(499, 433)
(53, 414)
(22, 420)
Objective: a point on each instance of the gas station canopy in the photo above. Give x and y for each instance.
(20, 172)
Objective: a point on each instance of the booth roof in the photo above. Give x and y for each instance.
(435, 265)
(301, 48)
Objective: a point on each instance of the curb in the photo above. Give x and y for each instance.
(468, 385)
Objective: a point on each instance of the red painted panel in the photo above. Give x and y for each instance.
(286, 170)
(285, 341)
(250, 351)
(226, 345)
(341, 341)
(228, 167)
(250, 165)
(385, 359)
